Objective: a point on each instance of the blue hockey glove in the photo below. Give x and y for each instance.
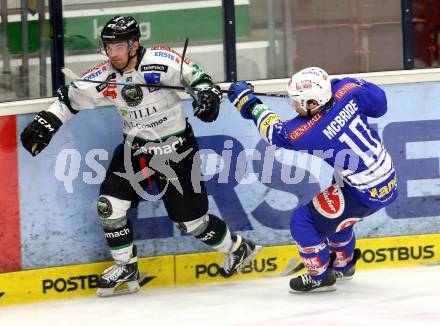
(241, 96)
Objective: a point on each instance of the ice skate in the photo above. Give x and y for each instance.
(348, 273)
(119, 279)
(305, 283)
(235, 260)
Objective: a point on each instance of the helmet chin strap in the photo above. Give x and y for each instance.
(128, 61)
(314, 111)
(311, 112)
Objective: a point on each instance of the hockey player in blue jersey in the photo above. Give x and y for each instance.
(331, 124)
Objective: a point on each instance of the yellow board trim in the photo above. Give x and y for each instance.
(73, 281)
(164, 271)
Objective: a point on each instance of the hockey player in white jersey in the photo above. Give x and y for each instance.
(153, 122)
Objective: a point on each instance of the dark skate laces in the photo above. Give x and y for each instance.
(237, 258)
(339, 275)
(232, 262)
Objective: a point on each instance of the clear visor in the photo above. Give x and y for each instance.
(120, 47)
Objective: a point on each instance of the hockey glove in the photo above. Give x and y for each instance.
(37, 135)
(208, 104)
(241, 96)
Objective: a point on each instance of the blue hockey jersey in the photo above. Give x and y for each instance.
(341, 136)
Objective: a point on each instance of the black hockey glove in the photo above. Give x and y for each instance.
(37, 135)
(208, 104)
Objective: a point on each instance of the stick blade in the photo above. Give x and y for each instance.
(69, 73)
(75, 78)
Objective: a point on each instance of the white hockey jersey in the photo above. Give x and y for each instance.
(154, 113)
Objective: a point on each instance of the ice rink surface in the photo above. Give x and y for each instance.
(405, 296)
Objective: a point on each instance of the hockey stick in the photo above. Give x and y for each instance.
(294, 266)
(186, 86)
(70, 74)
(73, 76)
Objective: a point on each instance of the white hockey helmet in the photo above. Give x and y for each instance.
(309, 84)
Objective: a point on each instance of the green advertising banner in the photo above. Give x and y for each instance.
(158, 26)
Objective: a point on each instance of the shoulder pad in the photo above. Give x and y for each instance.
(345, 86)
(161, 48)
(162, 51)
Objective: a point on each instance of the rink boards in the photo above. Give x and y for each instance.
(49, 217)
(189, 269)
(48, 202)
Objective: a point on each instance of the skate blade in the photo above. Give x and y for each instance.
(329, 288)
(120, 289)
(343, 279)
